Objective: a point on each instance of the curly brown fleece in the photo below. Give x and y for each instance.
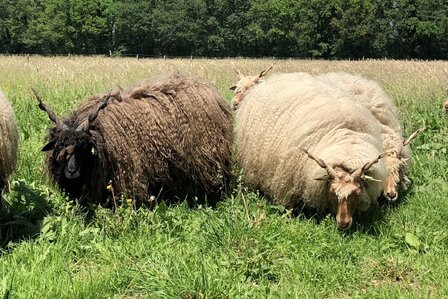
(174, 134)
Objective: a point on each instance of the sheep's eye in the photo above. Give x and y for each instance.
(93, 151)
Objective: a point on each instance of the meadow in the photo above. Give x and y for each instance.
(245, 247)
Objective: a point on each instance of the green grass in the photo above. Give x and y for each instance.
(244, 248)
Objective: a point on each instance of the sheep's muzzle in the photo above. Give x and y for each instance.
(391, 193)
(237, 100)
(394, 163)
(343, 215)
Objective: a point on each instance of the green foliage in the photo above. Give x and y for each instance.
(57, 26)
(254, 28)
(179, 27)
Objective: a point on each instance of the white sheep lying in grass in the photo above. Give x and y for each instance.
(289, 120)
(8, 141)
(370, 94)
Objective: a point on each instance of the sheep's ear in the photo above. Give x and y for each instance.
(233, 87)
(49, 146)
(369, 178)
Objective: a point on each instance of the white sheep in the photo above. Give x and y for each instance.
(370, 94)
(8, 141)
(288, 119)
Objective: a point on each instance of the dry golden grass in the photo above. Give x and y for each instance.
(66, 81)
(402, 79)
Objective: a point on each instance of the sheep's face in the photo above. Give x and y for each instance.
(445, 108)
(73, 153)
(241, 88)
(244, 84)
(346, 191)
(394, 163)
(73, 146)
(346, 188)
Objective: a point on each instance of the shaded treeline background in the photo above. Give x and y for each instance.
(282, 28)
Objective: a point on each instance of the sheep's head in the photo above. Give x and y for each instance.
(345, 188)
(73, 145)
(395, 164)
(244, 84)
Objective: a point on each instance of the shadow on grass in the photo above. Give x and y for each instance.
(369, 222)
(22, 211)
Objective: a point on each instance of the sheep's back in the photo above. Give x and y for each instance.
(8, 138)
(373, 96)
(292, 111)
(162, 132)
(367, 92)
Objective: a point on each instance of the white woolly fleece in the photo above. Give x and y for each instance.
(288, 112)
(371, 95)
(8, 138)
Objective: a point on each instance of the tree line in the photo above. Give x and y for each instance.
(221, 28)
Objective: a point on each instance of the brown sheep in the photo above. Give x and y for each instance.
(172, 137)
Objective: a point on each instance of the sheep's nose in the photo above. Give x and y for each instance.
(344, 225)
(72, 172)
(391, 195)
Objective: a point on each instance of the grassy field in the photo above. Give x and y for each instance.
(246, 247)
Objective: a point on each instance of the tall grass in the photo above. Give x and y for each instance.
(246, 247)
